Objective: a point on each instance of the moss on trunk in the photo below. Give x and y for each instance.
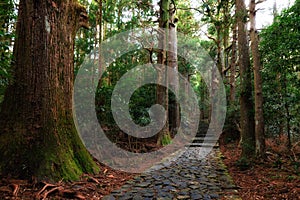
(38, 137)
(53, 153)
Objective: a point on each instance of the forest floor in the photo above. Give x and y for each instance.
(277, 177)
(89, 187)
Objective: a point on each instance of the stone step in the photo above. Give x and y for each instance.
(206, 145)
(201, 140)
(209, 137)
(202, 146)
(205, 130)
(205, 135)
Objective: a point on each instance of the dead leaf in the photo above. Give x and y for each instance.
(54, 4)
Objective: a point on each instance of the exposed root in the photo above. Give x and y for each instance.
(38, 195)
(51, 191)
(92, 179)
(15, 189)
(89, 187)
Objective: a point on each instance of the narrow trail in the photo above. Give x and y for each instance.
(188, 177)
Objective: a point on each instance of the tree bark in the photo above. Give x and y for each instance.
(38, 136)
(168, 56)
(174, 113)
(162, 96)
(288, 115)
(246, 104)
(257, 66)
(226, 36)
(100, 35)
(233, 64)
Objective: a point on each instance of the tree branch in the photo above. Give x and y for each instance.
(210, 37)
(174, 4)
(258, 10)
(260, 1)
(196, 9)
(225, 70)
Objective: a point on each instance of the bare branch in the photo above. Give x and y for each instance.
(238, 126)
(196, 9)
(174, 4)
(228, 48)
(259, 9)
(225, 70)
(212, 38)
(260, 1)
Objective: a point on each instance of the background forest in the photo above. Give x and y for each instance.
(260, 68)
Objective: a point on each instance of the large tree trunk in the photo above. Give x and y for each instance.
(247, 113)
(168, 56)
(162, 75)
(38, 136)
(259, 118)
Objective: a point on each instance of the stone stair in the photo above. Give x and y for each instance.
(202, 139)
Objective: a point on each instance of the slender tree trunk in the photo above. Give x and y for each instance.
(202, 100)
(38, 136)
(220, 64)
(99, 21)
(233, 64)
(257, 66)
(162, 75)
(246, 104)
(280, 91)
(288, 125)
(275, 11)
(174, 115)
(226, 37)
(288, 116)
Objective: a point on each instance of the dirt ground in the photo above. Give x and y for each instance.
(89, 187)
(276, 177)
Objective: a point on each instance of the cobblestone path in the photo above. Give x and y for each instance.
(186, 178)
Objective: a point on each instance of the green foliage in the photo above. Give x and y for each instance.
(291, 178)
(118, 16)
(218, 15)
(243, 163)
(141, 100)
(296, 166)
(231, 121)
(86, 40)
(7, 34)
(280, 54)
(187, 22)
(166, 140)
(278, 163)
(210, 47)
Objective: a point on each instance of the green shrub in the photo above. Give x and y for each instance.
(243, 163)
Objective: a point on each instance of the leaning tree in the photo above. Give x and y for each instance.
(38, 137)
